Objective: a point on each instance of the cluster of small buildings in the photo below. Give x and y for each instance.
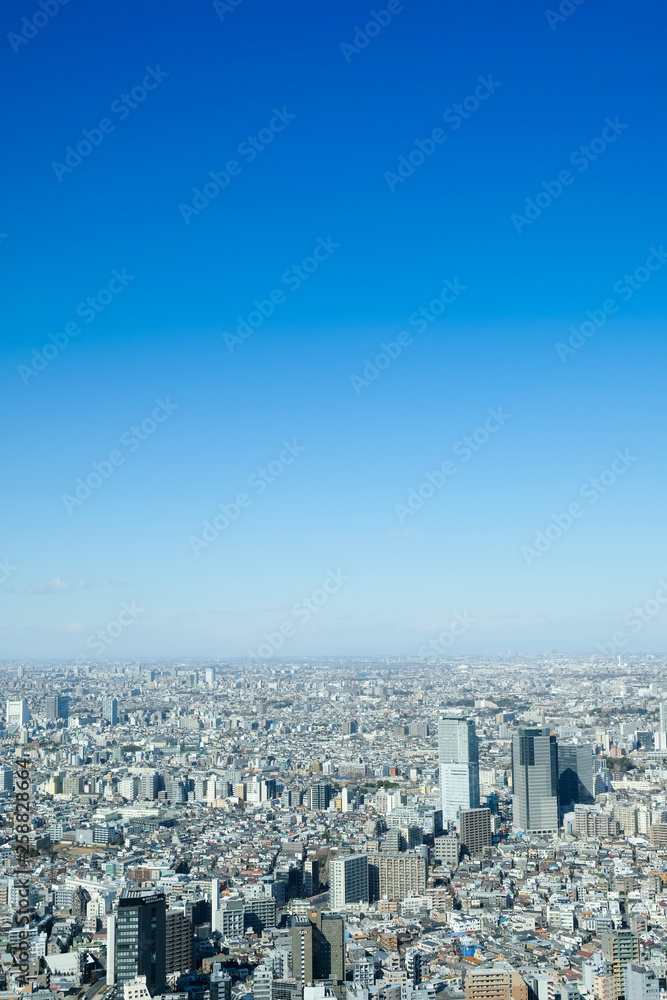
(378, 830)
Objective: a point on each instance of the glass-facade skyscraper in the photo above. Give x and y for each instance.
(458, 756)
(535, 781)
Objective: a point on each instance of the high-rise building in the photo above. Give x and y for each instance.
(221, 983)
(475, 826)
(111, 949)
(320, 795)
(318, 947)
(179, 942)
(620, 948)
(395, 876)
(57, 707)
(149, 785)
(640, 983)
(18, 713)
(302, 950)
(348, 880)
(576, 783)
(141, 938)
(535, 781)
(311, 877)
(110, 711)
(458, 755)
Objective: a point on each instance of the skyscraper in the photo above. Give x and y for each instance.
(535, 781)
(110, 711)
(179, 951)
(320, 795)
(18, 713)
(576, 783)
(141, 938)
(318, 947)
(57, 707)
(458, 755)
(348, 880)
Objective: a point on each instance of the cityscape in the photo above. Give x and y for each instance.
(360, 829)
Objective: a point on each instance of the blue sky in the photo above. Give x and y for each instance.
(480, 205)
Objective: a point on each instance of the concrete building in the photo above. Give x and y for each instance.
(395, 876)
(348, 880)
(475, 826)
(640, 983)
(576, 783)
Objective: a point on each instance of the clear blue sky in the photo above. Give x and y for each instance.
(322, 174)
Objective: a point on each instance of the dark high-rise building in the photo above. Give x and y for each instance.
(576, 782)
(320, 795)
(141, 938)
(110, 711)
(535, 781)
(179, 947)
(475, 825)
(57, 707)
(318, 947)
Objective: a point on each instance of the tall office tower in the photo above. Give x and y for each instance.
(302, 950)
(318, 947)
(641, 983)
(210, 676)
(535, 781)
(458, 755)
(320, 795)
(110, 711)
(348, 880)
(620, 948)
(57, 707)
(215, 895)
(328, 946)
(18, 713)
(576, 783)
(141, 938)
(475, 830)
(20, 672)
(179, 942)
(6, 779)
